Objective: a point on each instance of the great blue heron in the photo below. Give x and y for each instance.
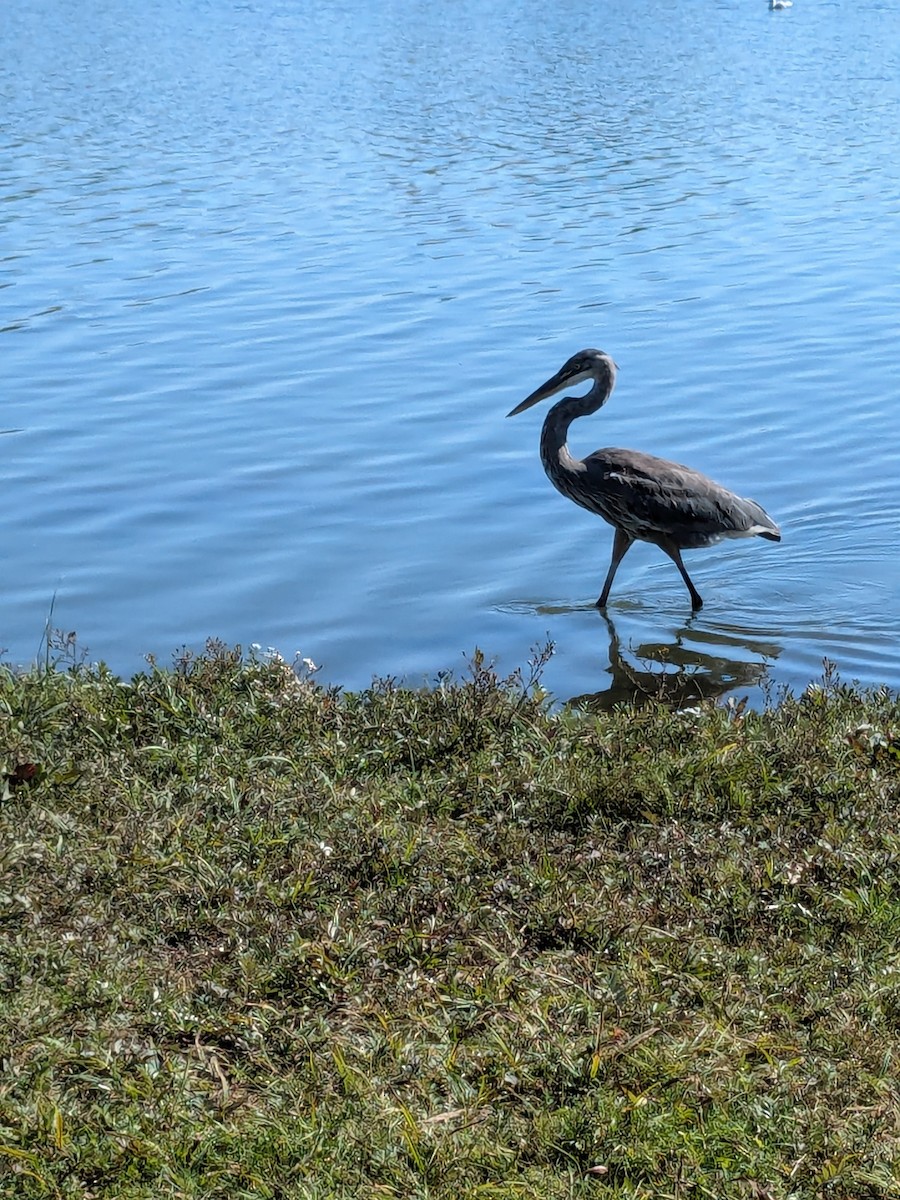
(644, 498)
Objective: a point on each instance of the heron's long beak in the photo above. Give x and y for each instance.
(550, 388)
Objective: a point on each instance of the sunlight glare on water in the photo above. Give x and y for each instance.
(273, 275)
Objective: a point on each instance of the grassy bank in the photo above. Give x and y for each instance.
(263, 939)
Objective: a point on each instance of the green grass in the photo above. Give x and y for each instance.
(259, 938)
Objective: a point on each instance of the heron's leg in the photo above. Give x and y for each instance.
(621, 544)
(675, 554)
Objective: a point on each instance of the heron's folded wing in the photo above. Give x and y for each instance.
(652, 497)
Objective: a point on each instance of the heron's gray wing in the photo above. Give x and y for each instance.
(653, 498)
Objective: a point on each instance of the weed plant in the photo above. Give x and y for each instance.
(261, 938)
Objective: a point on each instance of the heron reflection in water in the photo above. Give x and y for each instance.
(644, 498)
(692, 665)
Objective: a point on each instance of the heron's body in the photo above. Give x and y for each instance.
(644, 498)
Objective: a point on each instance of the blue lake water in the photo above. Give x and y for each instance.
(271, 276)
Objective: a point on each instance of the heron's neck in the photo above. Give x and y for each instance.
(554, 436)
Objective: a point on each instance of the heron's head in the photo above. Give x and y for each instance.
(585, 365)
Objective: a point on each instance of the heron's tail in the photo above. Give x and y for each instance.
(758, 522)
